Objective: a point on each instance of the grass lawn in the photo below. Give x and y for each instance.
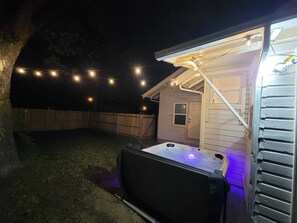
(52, 185)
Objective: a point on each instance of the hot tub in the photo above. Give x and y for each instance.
(198, 158)
(174, 182)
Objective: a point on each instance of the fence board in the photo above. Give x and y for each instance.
(134, 125)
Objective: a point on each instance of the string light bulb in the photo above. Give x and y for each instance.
(38, 73)
(111, 81)
(54, 73)
(248, 40)
(144, 108)
(90, 99)
(137, 70)
(76, 78)
(143, 83)
(20, 70)
(92, 73)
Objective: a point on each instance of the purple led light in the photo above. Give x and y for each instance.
(191, 156)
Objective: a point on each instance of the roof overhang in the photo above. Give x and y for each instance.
(229, 50)
(153, 93)
(234, 46)
(288, 12)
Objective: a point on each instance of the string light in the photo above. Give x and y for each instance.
(143, 83)
(76, 78)
(137, 70)
(144, 108)
(74, 74)
(38, 73)
(111, 81)
(90, 99)
(20, 70)
(248, 40)
(92, 73)
(172, 83)
(54, 73)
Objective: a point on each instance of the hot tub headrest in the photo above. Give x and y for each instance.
(177, 192)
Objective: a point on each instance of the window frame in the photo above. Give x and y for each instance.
(243, 79)
(185, 114)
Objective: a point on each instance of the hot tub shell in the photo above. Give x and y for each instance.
(193, 156)
(170, 190)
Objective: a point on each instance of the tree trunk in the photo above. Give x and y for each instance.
(8, 153)
(19, 28)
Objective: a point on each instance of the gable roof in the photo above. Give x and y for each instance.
(185, 77)
(151, 93)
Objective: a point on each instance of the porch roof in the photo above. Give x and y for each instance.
(288, 11)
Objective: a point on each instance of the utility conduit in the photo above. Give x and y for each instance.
(201, 140)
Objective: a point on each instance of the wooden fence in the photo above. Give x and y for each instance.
(134, 125)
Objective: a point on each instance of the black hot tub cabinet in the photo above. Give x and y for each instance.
(172, 191)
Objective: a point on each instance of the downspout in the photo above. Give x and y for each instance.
(196, 68)
(153, 100)
(189, 90)
(201, 140)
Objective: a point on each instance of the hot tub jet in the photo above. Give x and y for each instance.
(191, 156)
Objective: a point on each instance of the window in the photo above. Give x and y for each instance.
(230, 89)
(180, 114)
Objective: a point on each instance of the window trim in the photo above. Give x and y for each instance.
(241, 105)
(239, 90)
(186, 114)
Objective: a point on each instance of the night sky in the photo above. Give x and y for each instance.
(114, 37)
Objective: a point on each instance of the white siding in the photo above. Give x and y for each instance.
(224, 133)
(167, 131)
(249, 117)
(231, 142)
(274, 169)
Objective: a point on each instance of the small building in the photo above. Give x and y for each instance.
(235, 92)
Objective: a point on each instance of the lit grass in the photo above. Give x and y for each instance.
(52, 185)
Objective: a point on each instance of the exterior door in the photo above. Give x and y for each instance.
(194, 120)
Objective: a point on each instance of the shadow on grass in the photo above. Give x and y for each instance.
(103, 178)
(26, 147)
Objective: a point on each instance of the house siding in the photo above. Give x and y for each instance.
(250, 83)
(167, 131)
(276, 148)
(224, 133)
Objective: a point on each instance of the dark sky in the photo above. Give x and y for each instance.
(113, 37)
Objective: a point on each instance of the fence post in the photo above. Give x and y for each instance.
(47, 119)
(117, 127)
(62, 119)
(139, 129)
(100, 124)
(25, 122)
(88, 121)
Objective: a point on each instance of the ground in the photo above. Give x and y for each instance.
(60, 177)
(54, 184)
